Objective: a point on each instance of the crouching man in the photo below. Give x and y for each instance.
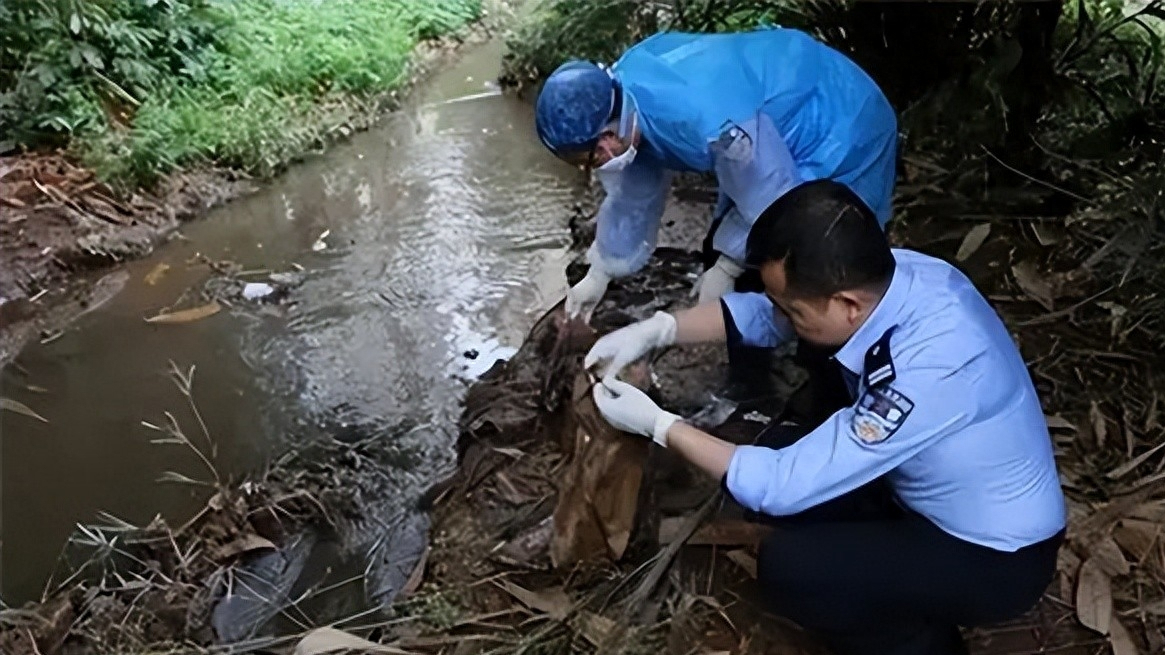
(931, 500)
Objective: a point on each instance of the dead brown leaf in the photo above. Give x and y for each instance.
(743, 560)
(1119, 638)
(417, 576)
(217, 502)
(1127, 428)
(669, 527)
(1153, 510)
(1058, 422)
(1033, 283)
(187, 315)
(599, 496)
(595, 628)
(331, 640)
(244, 544)
(20, 408)
(974, 239)
(178, 478)
(1068, 564)
(1086, 525)
(1132, 464)
(156, 273)
(720, 532)
(1151, 414)
(1094, 597)
(1099, 424)
(553, 601)
(1137, 537)
(1045, 234)
(1109, 557)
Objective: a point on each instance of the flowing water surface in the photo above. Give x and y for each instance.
(446, 236)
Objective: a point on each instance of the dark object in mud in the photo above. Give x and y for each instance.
(399, 551)
(259, 589)
(601, 503)
(599, 495)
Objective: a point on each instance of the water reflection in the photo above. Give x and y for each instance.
(447, 234)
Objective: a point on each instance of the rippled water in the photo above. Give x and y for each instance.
(446, 237)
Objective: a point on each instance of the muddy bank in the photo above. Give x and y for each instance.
(58, 219)
(58, 224)
(1097, 369)
(664, 571)
(506, 518)
(250, 556)
(250, 564)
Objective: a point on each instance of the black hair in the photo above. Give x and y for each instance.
(828, 239)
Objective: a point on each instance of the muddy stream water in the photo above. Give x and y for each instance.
(447, 236)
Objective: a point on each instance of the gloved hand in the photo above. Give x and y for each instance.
(629, 409)
(717, 281)
(583, 297)
(619, 348)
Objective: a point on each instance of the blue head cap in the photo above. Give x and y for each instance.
(577, 101)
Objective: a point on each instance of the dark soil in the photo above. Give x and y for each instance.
(57, 219)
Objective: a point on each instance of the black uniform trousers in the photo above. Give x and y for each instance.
(748, 366)
(872, 578)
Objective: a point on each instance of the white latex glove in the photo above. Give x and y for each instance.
(630, 410)
(583, 297)
(718, 280)
(619, 348)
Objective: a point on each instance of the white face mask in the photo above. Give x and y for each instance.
(617, 164)
(609, 174)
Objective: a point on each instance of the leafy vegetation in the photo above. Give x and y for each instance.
(139, 87)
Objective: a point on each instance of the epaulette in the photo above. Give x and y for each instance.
(879, 366)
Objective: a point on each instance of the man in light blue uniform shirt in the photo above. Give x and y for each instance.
(927, 501)
(762, 109)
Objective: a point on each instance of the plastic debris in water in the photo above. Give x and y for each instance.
(257, 290)
(320, 244)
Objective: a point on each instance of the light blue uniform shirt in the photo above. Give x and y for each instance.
(946, 411)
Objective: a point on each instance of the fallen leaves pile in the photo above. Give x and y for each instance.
(1082, 297)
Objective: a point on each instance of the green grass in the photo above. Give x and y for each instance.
(283, 74)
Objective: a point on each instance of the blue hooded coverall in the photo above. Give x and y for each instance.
(765, 110)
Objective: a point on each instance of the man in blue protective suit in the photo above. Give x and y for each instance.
(762, 109)
(926, 501)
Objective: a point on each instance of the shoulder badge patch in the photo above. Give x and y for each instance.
(879, 413)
